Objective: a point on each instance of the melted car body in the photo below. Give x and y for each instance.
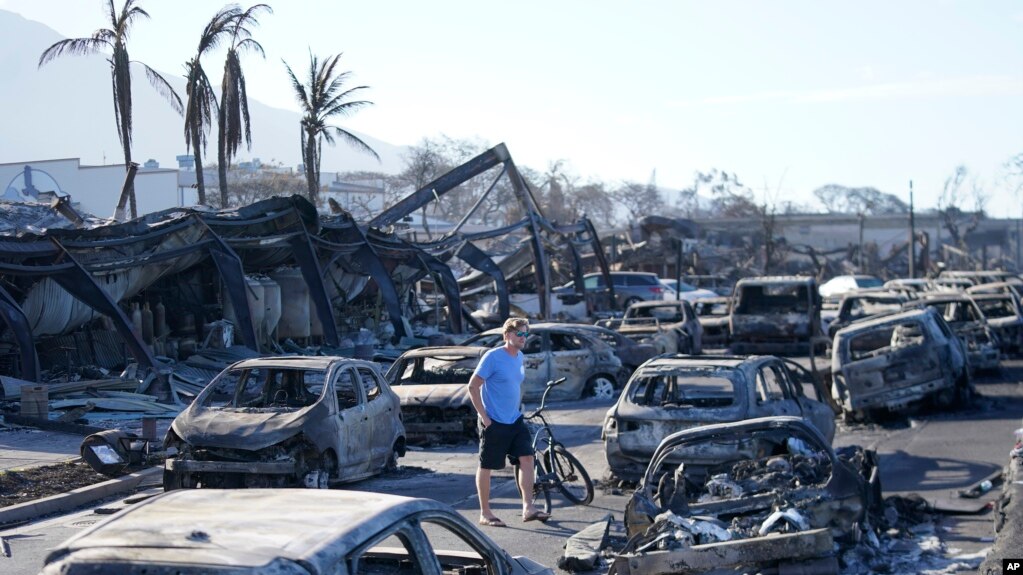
(285, 422)
(766, 493)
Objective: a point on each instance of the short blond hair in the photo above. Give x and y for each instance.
(515, 324)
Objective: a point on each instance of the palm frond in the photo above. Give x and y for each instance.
(163, 88)
(72, 47)
(355, 141)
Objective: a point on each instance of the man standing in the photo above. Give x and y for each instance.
(496, 391)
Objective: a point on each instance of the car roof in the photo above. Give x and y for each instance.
(547, 325)
(445, 350)
(293, 523)
(776, 279)
(300, 361)
(700, 361)
(874, 321)
(661, 303)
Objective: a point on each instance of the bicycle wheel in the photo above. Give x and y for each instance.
(539, 487)
(572, 479)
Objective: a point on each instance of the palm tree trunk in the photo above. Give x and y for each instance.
(200, 183)
(311, 174)
(131, 185)
(222, 158)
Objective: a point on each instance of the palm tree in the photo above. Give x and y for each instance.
(202, 100)
(321, 99)
(233, 120)
(113, 42)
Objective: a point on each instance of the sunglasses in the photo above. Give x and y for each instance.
(522, 333)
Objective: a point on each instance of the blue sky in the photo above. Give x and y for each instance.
(790, 95)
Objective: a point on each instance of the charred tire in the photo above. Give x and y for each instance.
(538, 488)
(600, 387)
(392, 459)
(964, 391)
(573, 481)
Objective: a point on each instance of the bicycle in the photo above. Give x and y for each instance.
(555, 467)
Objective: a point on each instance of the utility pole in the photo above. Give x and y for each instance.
(912, 235)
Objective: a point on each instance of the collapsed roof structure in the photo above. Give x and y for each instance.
(153, 287)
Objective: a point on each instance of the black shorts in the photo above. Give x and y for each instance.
(504, 439)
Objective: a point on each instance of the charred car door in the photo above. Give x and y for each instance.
(356, 430)
(380, 414)
(820, 412)
(536, 361)
(571, 358)
(774, 394)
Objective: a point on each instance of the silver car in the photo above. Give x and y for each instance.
(555, 350)
(672, 393)
(285, 532)
(286, 422)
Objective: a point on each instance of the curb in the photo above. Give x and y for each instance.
(76, 498)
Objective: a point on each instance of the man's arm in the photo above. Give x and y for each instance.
(475, 394)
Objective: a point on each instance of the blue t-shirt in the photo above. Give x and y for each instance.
(502, 388)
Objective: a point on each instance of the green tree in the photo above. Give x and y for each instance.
(201, 103)
(113, 42)
(324, 97)
(233, 120)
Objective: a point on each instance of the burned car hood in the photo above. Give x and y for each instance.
(442, 395)
(249, 429)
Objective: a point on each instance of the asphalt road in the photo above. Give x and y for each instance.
(932, 454)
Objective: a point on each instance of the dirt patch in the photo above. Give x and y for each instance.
(24, 485)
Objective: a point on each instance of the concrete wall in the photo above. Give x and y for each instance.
(96, 189)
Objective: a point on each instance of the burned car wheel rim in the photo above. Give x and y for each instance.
(601, 387)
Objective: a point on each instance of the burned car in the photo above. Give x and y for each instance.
(712, 312)
(555, 350)
(672, 393)
(670, 326)
(1005, 318)
(967, 320)
(432, 384)
(632, 353)
(284, 422)
(775, 314)
(858, 305)
(767, 494)
(285, 532)
(889, 362)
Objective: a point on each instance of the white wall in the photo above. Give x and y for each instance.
(96, 189)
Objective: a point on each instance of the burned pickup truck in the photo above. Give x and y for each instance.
(775, 315)
(889, 362)
(671, 326)
(286, 422)
(767, 494)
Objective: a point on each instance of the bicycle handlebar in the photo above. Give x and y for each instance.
(543, 399)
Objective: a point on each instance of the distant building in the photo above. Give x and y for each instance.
(92, 189)
(362, 198)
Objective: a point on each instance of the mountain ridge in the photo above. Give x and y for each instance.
(64, 110)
